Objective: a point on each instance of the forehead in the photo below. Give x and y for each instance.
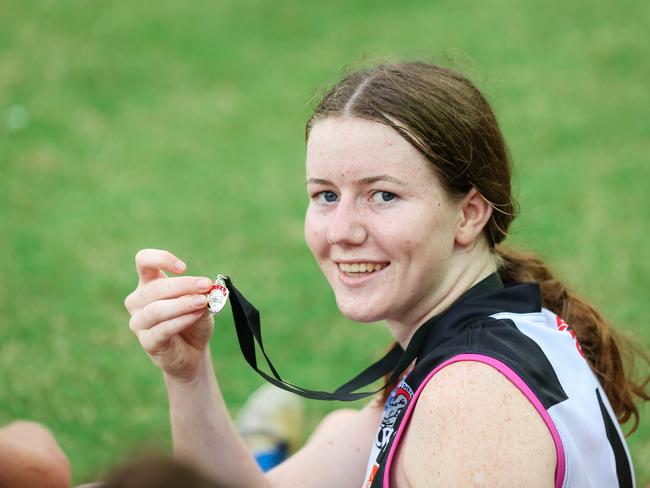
(354, 147)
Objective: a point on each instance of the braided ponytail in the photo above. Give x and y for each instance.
(606, 351)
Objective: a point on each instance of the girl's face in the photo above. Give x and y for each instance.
(378, 221)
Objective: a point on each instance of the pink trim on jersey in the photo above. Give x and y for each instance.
(516, 380)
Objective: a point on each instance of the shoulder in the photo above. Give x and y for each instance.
(472, 427)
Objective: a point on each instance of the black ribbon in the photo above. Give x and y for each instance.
(247, 324)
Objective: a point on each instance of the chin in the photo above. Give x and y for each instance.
(357, 313)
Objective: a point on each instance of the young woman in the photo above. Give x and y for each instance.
(408, 179)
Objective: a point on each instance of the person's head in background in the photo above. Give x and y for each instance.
(157, 472)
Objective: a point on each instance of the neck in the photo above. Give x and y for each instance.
(469, 268)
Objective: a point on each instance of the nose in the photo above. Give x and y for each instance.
(347, 226)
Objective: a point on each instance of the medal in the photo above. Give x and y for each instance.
(218, 295)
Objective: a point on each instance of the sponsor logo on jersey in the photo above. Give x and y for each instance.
(392, 410)
(562, 326)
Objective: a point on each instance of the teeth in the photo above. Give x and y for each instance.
(360, 267)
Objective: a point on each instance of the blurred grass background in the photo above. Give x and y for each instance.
(179, 125)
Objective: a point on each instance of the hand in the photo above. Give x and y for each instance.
(169, 315)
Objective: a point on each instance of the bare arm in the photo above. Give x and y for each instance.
(336, 454)
(204, 434)
(472, 427)
(170, 319)
(168, 316)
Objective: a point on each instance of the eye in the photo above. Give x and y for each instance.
(383, 197)
(325, 197)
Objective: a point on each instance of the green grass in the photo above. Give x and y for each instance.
(126, 125)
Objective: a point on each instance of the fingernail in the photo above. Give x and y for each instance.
(198, 301)
(179, 265)
(203, 283)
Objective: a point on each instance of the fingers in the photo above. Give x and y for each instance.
(160, 311)
(175, 287)
(157, 339)
(165, 288)
(169, 315)
(152, 263)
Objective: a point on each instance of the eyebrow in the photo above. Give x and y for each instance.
(364, 181)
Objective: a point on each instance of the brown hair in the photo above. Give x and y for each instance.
(157, 471)
(443, 115)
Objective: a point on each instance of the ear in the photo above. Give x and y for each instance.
(475, 212)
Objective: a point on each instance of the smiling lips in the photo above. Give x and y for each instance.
(358, 268)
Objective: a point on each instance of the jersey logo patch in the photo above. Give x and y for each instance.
(393, 408)
(562, 326)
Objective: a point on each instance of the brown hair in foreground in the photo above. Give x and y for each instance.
(157, 472)
(444, 116)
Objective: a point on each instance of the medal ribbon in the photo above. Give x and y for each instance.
(247, 324)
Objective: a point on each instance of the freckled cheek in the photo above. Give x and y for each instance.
(402, 233)
(415, 240)
(316, 236)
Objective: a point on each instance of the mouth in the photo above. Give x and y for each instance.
(361, 269)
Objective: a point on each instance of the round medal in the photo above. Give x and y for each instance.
(218, 295)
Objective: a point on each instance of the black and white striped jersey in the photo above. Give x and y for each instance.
(507, 328)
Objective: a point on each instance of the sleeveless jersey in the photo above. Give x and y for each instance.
(507, 329)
